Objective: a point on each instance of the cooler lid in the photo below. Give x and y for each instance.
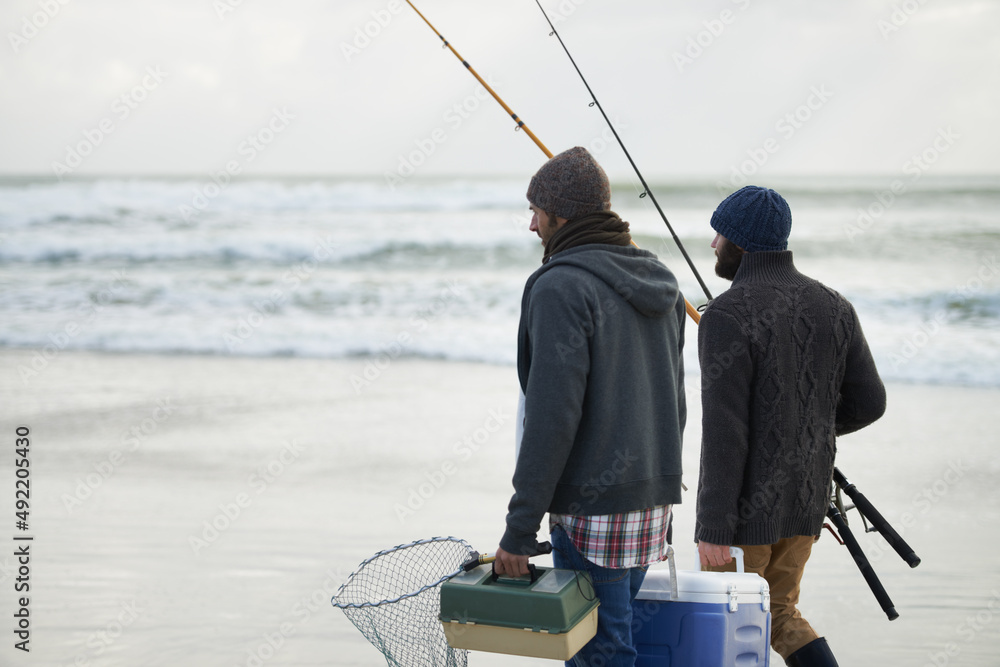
(708, 587)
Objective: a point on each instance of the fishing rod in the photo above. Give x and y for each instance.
(646, 189)
(864, 507)
(691, 310)
(867, 571)
(837, 513)
(520, 123)
(868, 513)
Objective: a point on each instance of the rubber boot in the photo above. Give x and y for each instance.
(816, 653)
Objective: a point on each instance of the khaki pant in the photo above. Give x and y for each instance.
(781, 564)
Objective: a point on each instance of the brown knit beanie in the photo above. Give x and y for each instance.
(570, 185)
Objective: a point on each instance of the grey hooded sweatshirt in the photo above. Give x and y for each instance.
(599, 361)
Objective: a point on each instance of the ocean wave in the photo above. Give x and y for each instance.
(435, 269)
(270, 248)
(44, 202)
(463, 318)
(948, 360)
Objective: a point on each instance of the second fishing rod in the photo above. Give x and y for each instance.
(646, 189)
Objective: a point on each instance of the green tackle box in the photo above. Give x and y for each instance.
(550, 617)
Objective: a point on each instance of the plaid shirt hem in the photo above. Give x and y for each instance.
(629, 539)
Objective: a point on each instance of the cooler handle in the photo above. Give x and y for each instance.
(672, 564)
(735, 552)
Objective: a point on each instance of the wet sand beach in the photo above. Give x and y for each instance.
(203, 510)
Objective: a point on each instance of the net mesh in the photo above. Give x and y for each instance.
(394, 599)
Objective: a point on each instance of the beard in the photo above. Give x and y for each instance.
(729, 257)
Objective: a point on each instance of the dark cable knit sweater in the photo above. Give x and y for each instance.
(785, 369)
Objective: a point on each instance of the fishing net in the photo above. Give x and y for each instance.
(394, 599)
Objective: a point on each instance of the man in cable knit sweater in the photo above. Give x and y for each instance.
(785, 369)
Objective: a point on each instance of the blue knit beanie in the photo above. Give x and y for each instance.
(754, 218)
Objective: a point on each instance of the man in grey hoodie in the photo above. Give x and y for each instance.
(599, 361)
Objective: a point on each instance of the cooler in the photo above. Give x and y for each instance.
(551, 616)
(712, 619)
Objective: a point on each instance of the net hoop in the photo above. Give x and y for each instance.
(385, 552)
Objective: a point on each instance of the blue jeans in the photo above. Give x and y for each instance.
(616, 588)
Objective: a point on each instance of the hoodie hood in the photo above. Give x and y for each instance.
(636, 274)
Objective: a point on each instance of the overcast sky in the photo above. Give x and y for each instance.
(365, 88)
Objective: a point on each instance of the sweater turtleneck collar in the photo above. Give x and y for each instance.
(772, 267)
